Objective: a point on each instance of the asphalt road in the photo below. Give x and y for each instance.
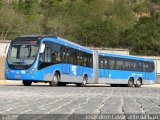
(43, 100)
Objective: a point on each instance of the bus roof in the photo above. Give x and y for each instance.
(55, 39)
(68, 43)
(125, 56)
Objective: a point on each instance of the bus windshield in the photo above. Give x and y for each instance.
(22, 54)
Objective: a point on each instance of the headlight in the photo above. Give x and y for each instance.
(32, 70)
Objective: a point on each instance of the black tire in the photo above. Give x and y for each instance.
(130, 82)
(62, 84)
(114, 85)
(55, 80)
(138, 83)
(123, 85)
(84, 82)
(27, 83)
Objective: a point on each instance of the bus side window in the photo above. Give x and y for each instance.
(73, 56)
(106, 63)
(85, 62)
(80, 58)
(120, 64)
(112, 63)
(65, 54)
(148, 67)
(56, 58)
(47, 54)
(127, 65)
(87, 58)
(132, 67)
(139, 66)
(101, 62)
(152, 67)
(90, 60)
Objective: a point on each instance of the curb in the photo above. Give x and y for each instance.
(10, 82)
(2, 82)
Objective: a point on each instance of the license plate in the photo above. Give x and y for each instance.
(17, 76)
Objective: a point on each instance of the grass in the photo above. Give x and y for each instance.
(2, 66)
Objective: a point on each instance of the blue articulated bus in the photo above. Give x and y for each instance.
(58, 61)
(48, 59)
(119, 70)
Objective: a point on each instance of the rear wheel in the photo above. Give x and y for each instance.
(138, 83)
(130, 82)
(55, 80)
(27, 83)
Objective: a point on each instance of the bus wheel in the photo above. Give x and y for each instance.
(62, 84)
(130, 82)
(84, 82)
(55, 80)
(114, 85)
(138, 83)
(27, 83)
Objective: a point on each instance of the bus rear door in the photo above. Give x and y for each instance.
(145, 69)
(103, 67)
(80, 63)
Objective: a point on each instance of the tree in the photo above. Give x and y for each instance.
(143, 39)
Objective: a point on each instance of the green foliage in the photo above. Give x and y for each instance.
(143, 39)
(132, 24)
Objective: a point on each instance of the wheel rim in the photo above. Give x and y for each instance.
(55, 80)
(138, 82)
(130, 83)
(84, 81)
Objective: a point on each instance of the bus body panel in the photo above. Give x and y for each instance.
(122, 77)
(74, 73)
(46, 74)
(115, 76)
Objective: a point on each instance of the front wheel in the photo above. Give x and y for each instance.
(27, 83)
(55, 80)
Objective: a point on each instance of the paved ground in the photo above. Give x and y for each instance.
(43, 99)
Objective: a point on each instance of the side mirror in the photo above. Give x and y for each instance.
(6, 49)
(42, 48)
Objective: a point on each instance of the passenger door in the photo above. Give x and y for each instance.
(65, 60)
(106, 71)
(80, 63)
(146, 69)
(103, 66)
